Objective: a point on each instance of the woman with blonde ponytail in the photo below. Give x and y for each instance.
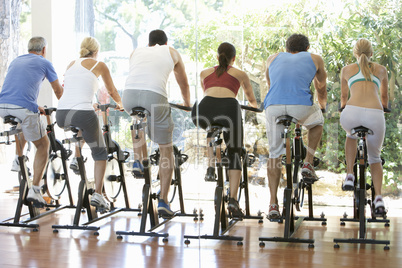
(364, 81)
(76, 108)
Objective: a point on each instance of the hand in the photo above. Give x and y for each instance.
(41, 110)
(96, 106)
(119, 106)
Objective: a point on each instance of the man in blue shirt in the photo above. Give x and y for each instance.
(289, 75)
(18, 97)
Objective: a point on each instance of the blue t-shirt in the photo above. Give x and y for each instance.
(290, 79)
(23, 80)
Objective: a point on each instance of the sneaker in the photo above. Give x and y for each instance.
(308, 171)
(273, 212)
(35, 196)
(349, 183)
(138, 169)
(210, 175)
(234, 209)
(164, 210)
(15, 165)
(74, 166)
(100, 203)
(379, 207)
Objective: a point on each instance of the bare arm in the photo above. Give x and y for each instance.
(181, 76)
(384, 87)
(111, 89)
(344, 89)
(248, 90)
(269, 61)
(57, 88)
(320, 81)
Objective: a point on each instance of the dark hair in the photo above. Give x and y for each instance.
(226, 52)
(157, 37)
(297, 43)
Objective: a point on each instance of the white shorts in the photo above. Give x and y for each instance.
(354, 116)
(307, 116)
(32, 127)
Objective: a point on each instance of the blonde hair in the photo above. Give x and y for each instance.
(89, 46)
(363, 51)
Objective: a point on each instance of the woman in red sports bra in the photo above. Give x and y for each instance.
(220, 107)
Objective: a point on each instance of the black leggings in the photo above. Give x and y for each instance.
(224, 112)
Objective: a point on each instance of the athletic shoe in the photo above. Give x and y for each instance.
(349, 183)
(138, 169)
(74, 166)
(164, 210)
(308, 171)
(35, 196)
(234, 209)
(379, 207)
(15, 165)
(210, 175)
(273, 212)
(100, 203)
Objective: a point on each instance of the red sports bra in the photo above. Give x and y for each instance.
(225, 80)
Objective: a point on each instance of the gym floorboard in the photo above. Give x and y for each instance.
(21, 247)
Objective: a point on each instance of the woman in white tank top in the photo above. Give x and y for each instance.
(76, 108)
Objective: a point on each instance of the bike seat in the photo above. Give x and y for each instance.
(74, 129)
(9, 119)
(285, 120)
(140, 112)
(216, 130)
(361, 129)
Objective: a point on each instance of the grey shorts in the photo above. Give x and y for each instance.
(307, 116)
(87, 121)
(354, 116)
(160, 124)
(32, 127)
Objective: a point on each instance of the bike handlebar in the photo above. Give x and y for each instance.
(252, 109)
(49, 111)
(104, 107)
(181, 107)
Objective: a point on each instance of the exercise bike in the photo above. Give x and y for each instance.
(114, 181)
(55, 176)
(149, 209)
(294, 190)
(221, 223)
(360, 199)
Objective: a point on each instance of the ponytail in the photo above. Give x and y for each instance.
(362, 51)
(364, 64)
(223, 64)
(226, 52)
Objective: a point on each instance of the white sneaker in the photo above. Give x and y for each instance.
(349, 183)
(379, 206)
(35, 196)
(15, 165)
(100, 203)
(74, 166)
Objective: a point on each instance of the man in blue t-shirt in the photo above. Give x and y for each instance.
(289, 75)
(18, 97)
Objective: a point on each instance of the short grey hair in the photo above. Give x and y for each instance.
(36, 44)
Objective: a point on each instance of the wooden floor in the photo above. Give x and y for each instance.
(21, 247)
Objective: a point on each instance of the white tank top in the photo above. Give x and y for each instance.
(80, 86)
(150, 68)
